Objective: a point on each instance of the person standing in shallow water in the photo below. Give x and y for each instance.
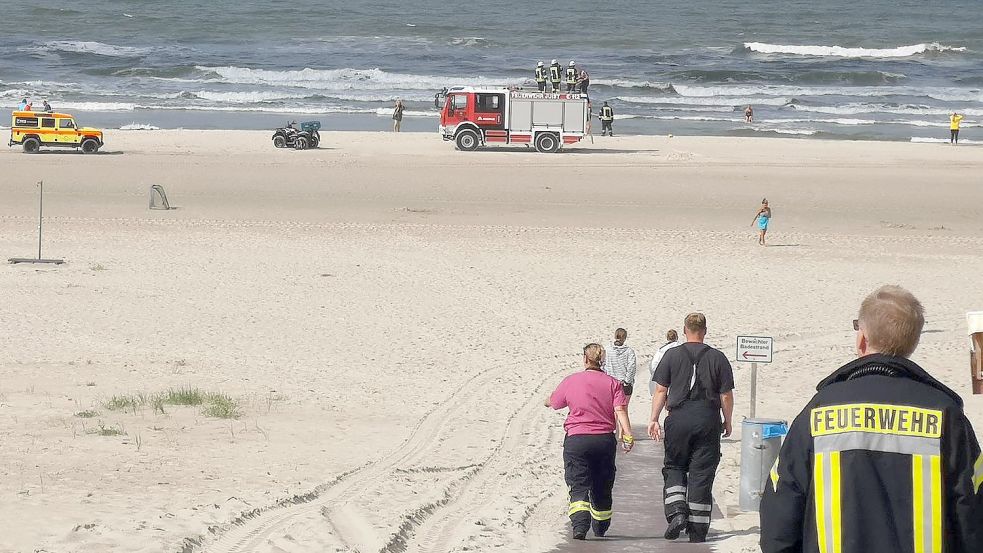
(397, 115)
(595, 401)
(749, 115)
(762, 218)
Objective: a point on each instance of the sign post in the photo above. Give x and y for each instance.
(754, 349)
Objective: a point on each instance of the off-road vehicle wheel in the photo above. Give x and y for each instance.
(279, 141)
(32, 145)
(90, 146)
(300, 143)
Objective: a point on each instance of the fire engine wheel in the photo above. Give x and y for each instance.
(32, 145)
(279, 142)
(547, 143)
(300, 143)
(467, 140)
(90, 146)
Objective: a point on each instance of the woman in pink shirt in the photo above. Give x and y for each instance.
(595, 400)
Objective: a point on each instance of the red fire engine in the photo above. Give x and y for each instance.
(473, 116)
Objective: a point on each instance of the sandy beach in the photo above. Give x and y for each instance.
(387, 313)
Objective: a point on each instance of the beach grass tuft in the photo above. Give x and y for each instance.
(221, 406)
(87, 414)
(184, 396)
(104, 430)
(125, 403)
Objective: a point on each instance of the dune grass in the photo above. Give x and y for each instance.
(213, 404)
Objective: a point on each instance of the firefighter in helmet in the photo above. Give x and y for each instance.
(883, 458)
(572, 77)
(556, 75)
(607, 116)
(541, 76)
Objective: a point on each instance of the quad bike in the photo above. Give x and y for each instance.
(300, 139)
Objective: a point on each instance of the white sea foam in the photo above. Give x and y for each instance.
(89, 47)
(705, 101)
(346, 79)
(841, 52)
(939, 93)
(139, 127)
(930, 140)
(853, 109)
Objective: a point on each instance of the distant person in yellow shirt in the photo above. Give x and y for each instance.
(954, 121)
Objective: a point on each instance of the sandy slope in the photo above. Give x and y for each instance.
(390, 312)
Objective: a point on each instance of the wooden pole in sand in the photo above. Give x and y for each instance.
(40, 215)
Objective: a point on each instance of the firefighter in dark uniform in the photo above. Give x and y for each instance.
(541, 76)
(607, 117)
(882, 459)
(572, 75)
(595, 401)
(695, 382)
(556, 74)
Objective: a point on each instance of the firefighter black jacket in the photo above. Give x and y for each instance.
(881, 460)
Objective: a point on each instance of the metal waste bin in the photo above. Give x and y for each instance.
(761, 439)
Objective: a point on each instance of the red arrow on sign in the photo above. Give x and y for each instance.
(747, 355)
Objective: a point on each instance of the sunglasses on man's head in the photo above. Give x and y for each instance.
(856, 324)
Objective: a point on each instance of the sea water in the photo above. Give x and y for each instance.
(871, 69)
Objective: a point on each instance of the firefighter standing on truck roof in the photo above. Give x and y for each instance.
(572, 77)
(595, 401)
(882, 459)
(555, 75)
(607, 117)
(541, 76)
(695, 382)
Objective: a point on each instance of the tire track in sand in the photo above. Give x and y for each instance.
(253, 530)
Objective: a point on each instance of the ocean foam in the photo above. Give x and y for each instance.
(841, 52)
(139, 127)
(88, 47)
(929, 140)
(346, 79)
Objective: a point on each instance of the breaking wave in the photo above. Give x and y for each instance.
(841, 52)
(89, 47)
(346, 79)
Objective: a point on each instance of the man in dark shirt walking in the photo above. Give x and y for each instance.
(695, 383)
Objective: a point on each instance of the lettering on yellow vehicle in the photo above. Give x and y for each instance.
(33, 129)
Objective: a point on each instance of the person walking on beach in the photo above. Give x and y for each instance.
(620, 363)
(572, 77)
(762, 218)
(398, 115)
(541, 76)
(672, 340)
(695, 383)
(555, 75)
(46, 107)
(882, 459)
(954, 121)
(749, 115)
(595, 401)
(607, 118)
(583, 81)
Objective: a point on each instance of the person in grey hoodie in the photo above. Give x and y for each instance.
(619, 362)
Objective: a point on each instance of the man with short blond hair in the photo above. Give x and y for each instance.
(882, 459)
(695, 383)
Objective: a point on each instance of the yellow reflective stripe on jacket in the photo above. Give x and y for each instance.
(826, 480)
(978, 473)
(926, 485)
(600, 515)
(774, 476)
(578, 506)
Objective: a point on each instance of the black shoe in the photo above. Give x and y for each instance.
(676, 525)
(580, 534)
(600, 527)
